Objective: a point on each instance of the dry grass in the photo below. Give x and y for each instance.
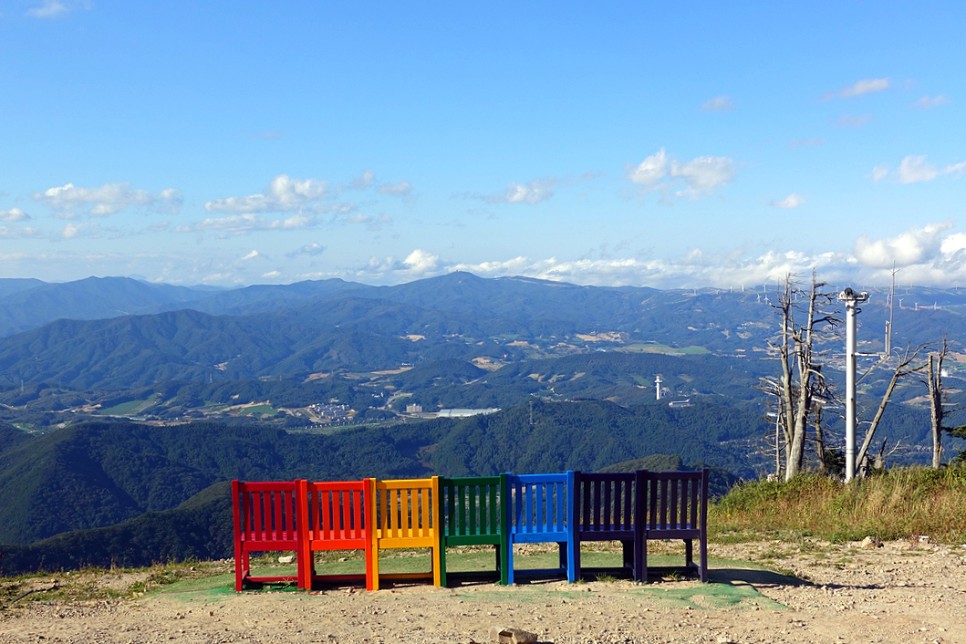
(899, 504)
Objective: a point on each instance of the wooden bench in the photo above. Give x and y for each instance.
(606, 507)
(334, 517)
(265, 520)
(404, 515)
(471, 513)
(676, 507)
(539, 511)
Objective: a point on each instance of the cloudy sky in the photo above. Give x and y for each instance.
(659, 144)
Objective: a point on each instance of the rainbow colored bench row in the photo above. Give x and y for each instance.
(566, 508)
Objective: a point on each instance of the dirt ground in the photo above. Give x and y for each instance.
(804, 591)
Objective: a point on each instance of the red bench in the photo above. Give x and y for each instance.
(266, 519)
(334, 517)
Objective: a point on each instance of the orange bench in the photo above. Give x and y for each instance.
(404, 514)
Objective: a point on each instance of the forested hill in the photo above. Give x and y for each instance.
(98, 474)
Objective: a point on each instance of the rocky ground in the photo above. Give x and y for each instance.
(804, 591)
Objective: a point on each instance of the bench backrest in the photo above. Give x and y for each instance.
(539, 504)
(471, 508)
(404, 509)
(606, 503)
(266, 514)
(334, 512)
(676, 501)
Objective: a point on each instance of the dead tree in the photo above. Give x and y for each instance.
(934, 378)
(939, 408)
(800, 381)
(904, 367)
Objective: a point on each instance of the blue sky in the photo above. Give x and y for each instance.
(657, 144)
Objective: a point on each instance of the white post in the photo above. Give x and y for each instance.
(851, 298)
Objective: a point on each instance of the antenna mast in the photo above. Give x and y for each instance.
(892, 309)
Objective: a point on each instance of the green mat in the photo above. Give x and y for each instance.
(731, 583)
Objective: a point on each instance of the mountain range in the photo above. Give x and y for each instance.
(124, 403)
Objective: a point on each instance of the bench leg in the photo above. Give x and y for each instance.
(242, 569)
(628, 555)
(644, 559)
(442, 566)
(703, 555)
(509, 563)
(370, 577)
(374, 569)
(577, 573)
(503, 564)
(436, 555)
(568, 552)
(639, 565)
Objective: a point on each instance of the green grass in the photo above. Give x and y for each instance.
(898, 504)
(131, 407)
(664, 349)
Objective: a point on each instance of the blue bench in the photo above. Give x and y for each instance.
(539, 511)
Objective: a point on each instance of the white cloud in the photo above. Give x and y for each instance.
(705, 174)
(401, 189)
(48, 9)
(911, 247)
(18, 232)
(419, 261)
(529, 193)
(232, 224)
(13, 215)
(74, 230)
(254, 254)
(514, 266)
(699, 177)
(694, 269)
(953, 244)
(879, 173)
(108, 199)
(284, 194)
(915, 169)
(313, 249)
(365, 180)
(651, 171)
(956, 169)
(929, 102)
(794, 200)
(929, 255)
(718, 104)
(247, 223)
(865, 86)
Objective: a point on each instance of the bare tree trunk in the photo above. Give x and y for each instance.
(819, 440)
(800, 377)
(934, 378)
(902, 369)
(802, 339)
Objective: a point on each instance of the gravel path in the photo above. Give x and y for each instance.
(903, 592)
